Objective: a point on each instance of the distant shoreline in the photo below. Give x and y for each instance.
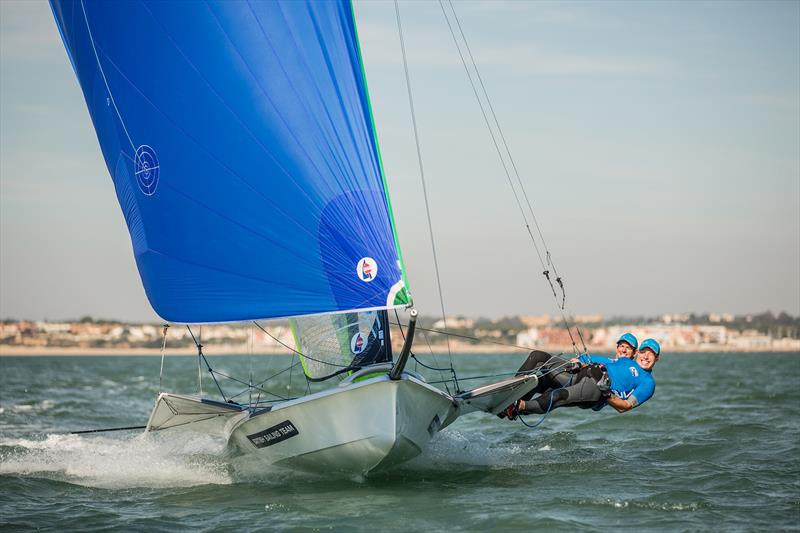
(224, 350)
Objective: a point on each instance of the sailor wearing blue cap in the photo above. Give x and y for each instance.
(627, 346)
(622, 383)
(632, 382)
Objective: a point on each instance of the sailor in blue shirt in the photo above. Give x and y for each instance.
(631, 381)
(627, 346)
(589, 381)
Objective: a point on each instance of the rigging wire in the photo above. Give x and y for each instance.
(454, 377)
(546, 261)
(250, 360)
(491, 133)
(502, 136)
(163, 351)
(309, 380)
(199, 349)
(276, 374)
(471, 338)
(422, 173)
(273, 337)
(249, 387)
(435, 360)
(202, 358)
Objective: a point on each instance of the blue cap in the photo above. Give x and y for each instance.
(652, 344)
(630, 339)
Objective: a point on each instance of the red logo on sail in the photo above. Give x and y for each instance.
(367, 269)
(357, 343)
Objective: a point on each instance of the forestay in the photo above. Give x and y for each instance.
(241, 143)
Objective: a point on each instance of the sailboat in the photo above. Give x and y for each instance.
(243, 151)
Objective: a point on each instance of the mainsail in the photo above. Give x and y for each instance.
(241, 143)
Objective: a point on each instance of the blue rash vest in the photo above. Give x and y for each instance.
(629, 381)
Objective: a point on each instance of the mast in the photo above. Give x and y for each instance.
(397, 369)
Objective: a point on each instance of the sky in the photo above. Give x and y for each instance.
(659, 144)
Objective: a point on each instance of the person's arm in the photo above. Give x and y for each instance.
(619, 404)
(644, 391)
(591, 359)
(595, 359)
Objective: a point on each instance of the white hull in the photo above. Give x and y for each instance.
(378, 422)
(356, 427)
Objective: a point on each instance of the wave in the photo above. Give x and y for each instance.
(38, 407)
(121, 462)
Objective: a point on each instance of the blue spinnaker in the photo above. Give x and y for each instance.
(240, 140)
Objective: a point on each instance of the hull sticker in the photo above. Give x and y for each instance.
(274, 435)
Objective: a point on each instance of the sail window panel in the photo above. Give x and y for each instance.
(330, 345)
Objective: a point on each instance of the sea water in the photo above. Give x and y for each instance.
(718, 447)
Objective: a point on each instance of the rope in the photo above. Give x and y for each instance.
(502, 374)
(485, 376)
(199, 371)
(249, 387)
(422, 174)
(201, 355)
(423, 365)
(276, 374)
(548, 262)
(342, 368)
(436, 362)
(104, 430)
(550, 402)
(163, 351)
(468, 337)
(500, 131)
(295, 351)
(547, 412)
(455, 377)
(433, 355)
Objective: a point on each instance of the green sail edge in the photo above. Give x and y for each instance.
(403, 296)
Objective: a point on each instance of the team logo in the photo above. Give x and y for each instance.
(634, 372)
(357, 343)
(146, 168)
(367, 269)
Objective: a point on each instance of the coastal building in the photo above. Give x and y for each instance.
(454, 322)
(713, 333)
(536, 321)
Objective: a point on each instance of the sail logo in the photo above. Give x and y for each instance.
(367, 269)
(146, 169)
(357, 343)
(634, 372)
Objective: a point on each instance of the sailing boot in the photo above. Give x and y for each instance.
(510, 412)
